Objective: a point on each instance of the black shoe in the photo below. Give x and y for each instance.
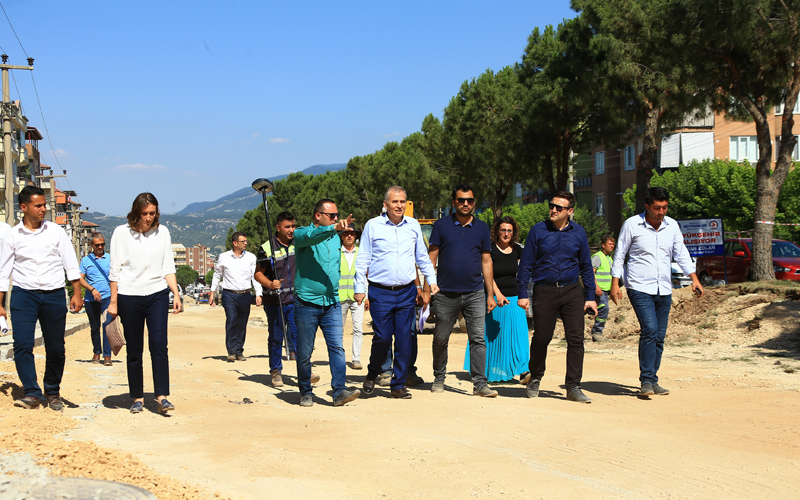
(368, 386)
(346, 396)
(54, 402)
(28, 402)
(401, 393)
(414, 380)
(647, 389)
(137, 407)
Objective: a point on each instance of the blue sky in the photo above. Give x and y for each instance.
(194, 100)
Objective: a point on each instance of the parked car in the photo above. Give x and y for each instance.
(738, 260)
(679, 280)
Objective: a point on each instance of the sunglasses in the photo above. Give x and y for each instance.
(558, 208)
(468, 201)
(98, 245)
(332, 216)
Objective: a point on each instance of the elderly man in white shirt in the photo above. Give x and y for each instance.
(38, 253)
(651, 241)
(235, 270)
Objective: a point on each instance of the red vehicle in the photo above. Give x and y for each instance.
(738, 257)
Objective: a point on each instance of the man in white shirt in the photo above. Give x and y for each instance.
(38, 253)
(651, 241)
(235, 269)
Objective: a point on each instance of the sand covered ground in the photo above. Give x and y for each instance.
(728, 430)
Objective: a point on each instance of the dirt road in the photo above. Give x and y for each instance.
(728, 430)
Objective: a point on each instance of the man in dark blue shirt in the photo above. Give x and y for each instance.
(460, 247)
(556, 258)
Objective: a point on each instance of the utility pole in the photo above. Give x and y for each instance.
(49, 194)
(8, 113)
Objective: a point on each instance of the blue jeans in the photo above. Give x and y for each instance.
(275, 327)
(237, 312)
(653, 314)
(446, 306)
(94, 311)
(51, 311)
(309, 317)
(602, 313)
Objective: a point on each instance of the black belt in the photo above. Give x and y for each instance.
(557, 284)
(393, 288)
(237, 292)
(45, 291)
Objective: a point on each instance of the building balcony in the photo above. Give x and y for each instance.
(582, 182)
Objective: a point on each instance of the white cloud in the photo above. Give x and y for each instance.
(278, 140)
(61, 154)
(139, 166)
(386, 136)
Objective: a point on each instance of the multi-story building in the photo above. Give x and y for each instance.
(179, 254)
(603, 175)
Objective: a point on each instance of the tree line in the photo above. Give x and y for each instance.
(619, 69)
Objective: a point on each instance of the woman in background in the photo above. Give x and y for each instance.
(142, 274)
(507, 351)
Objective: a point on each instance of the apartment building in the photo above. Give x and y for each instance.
(602, 176)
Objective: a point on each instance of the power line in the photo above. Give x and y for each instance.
(13, 30)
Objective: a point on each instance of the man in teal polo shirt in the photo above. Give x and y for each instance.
(316, 291)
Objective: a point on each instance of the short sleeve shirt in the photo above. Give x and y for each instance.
(460, 247)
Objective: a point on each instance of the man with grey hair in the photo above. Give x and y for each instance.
(391, 247)
(94, 269)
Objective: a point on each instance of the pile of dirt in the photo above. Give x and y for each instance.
(731, 314)
(35, 433)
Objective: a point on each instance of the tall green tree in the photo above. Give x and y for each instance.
(748, 51)
(484, 135)
(185, 275)
(644, 70)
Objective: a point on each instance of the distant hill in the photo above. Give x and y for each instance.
(206, 222)
(246, 197)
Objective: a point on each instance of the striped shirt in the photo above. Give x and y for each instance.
(650, 253)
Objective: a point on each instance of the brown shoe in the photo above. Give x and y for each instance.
(96, 358)
(356, 365)
(28, 402)
(277, 380)
(314, 377)
(107, 360)
(401, 393)
(54, 402)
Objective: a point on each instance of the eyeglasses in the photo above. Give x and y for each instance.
(468, 201)
(332, 216)
(558, 208)
(98, 245)
(241, 241)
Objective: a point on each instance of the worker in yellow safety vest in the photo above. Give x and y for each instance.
(347, 290)
(601, 262)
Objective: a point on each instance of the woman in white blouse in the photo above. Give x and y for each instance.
(142, 274)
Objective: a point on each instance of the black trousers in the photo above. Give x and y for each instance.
(548, 303)
(134, 311)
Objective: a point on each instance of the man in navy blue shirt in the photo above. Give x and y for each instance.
(460, 247)
(556, 258)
